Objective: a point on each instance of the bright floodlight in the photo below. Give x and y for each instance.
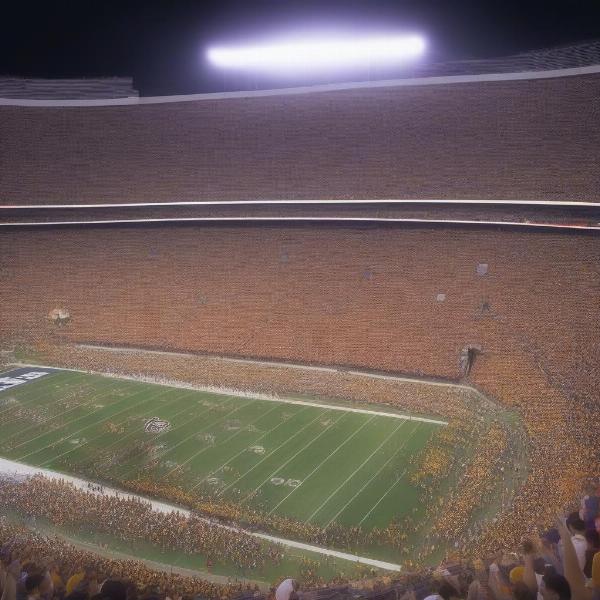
(319, 54)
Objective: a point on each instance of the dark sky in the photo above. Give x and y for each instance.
(160, 44)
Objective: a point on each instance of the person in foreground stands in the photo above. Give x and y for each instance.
(576, 528)
(286, 589)
(593, 547)
(555, 586)
(590, 507)
(11, 578)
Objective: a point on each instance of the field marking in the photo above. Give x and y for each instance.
(253, 492)
(370, 480)
(355, 471)
(136, 405)
(269, 456)
(241, 430)
(31, 388)
(195, 433)
(38, 398)
(11, 467)
(321, 464)
(158, 435)
(235, 393)
(103, 433)
(37, 394)
(165, 452)
(382, 497)
(94, 398)
(66, 425)
(268, 398)
(284, 422)
(202, 429)
(42, 399)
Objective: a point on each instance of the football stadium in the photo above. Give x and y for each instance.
(345, 336)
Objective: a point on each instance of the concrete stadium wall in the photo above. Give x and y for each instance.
(368, 297)
(521, 139)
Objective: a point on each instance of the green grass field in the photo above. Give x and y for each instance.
(316, 464)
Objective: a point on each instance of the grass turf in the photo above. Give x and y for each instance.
(314, 464)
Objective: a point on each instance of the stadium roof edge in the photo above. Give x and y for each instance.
(312, 201)
(387, 83)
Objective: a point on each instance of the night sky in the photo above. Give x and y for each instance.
(161, 44)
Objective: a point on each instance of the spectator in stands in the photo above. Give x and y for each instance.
(537, 571)
(590, 507)
(548, 549)
(113, 589)
(593, 547)
(10, 579)
(555, 586)
(33, 585)
(285, 589)
(577, 528)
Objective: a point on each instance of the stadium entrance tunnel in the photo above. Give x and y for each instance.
(467, 358)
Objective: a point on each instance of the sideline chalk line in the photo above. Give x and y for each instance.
(242, 394)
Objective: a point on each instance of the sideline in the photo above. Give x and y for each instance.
(16, 469)
(243, 394)
(282, 364)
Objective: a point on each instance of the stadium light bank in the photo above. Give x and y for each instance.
(319, 54)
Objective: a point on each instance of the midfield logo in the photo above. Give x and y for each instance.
(156, 425)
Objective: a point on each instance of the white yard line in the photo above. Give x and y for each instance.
(269, 456)
(196, 433)
(321, 464)
(289, 460)
(93, 399)
(112, 387)
(102, 433)
(40, 399)
(27, 400)
(369, 481)
(199, 415)
(243, 450)
(362, 464)
(94, 424)
(259, 396)
(382, 497)
(12, 468)
(241, 430)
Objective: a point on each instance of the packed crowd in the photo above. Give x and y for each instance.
(252, 517)
(473, 491)
(63, 570)
(563, 563)
(133, 520)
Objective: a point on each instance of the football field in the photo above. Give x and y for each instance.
(311, 461)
